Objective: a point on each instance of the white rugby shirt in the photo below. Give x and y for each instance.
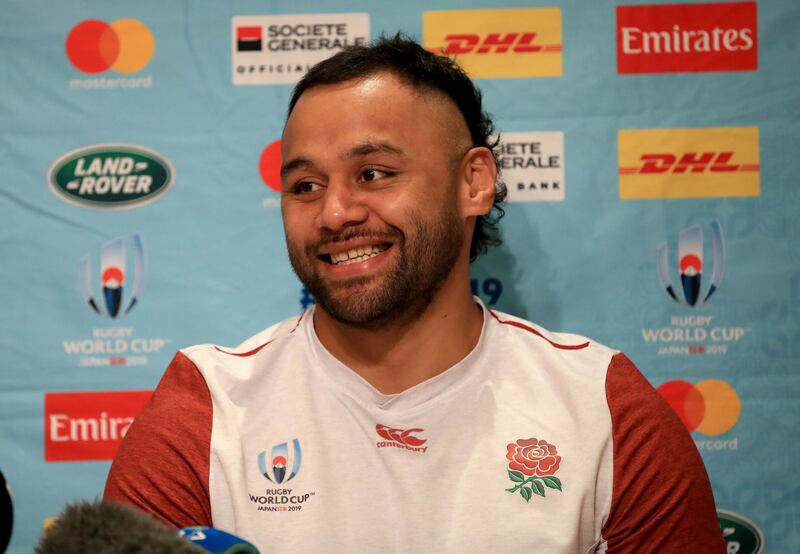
(535, 441)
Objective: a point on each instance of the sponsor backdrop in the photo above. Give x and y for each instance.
(650, 151)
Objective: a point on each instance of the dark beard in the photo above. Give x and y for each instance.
(408, 288)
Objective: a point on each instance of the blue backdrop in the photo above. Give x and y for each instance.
(176, 104)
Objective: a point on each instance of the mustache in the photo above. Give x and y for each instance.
(389, 234)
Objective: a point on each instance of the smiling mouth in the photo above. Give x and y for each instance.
(355, 255)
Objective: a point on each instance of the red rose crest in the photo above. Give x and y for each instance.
(532, 464)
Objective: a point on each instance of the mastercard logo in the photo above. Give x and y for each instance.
(269, 165)
(711, 407)
(124, 46)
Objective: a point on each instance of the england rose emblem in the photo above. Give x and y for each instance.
(532, 464)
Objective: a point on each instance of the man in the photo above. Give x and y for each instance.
(400, 414)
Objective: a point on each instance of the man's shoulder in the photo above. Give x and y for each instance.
(576, 350)
(541, 336)
(273, 334)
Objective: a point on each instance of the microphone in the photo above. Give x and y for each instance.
(217, 541)
(6, 514)
(110, 528)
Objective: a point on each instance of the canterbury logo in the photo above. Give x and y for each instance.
(401, 436)
(690, 162)
(497, 43)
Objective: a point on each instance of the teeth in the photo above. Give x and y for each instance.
(357, 254)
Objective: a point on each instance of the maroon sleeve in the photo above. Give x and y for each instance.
(662, 500)
(163, 462)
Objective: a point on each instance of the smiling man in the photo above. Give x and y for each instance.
(399, 413)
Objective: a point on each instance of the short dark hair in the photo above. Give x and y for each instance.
(412, 64)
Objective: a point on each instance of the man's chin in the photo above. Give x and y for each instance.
(349, 306)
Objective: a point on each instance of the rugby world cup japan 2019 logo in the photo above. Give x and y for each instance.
(113, 273)
(691, 265)
(276, 467)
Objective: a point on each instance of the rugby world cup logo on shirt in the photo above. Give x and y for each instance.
(690, 265)
(111, 176)
(280, 465)
(493, 43)
(688, 163)
(276, 467)
(676, 38)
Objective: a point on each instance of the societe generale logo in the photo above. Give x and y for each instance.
(123, 46)
(279, 49)
(81, 426)
(689, 163)
(493, 43)
(678, 38)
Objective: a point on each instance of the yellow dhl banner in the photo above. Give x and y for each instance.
(514, 42)
(688, 163)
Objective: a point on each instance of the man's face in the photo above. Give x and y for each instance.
(370, 197)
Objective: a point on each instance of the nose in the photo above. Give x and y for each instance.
(341, 207)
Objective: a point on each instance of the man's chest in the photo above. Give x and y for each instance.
(478, 472)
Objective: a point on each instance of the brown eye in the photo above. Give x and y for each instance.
(305, 187)
(373, 174)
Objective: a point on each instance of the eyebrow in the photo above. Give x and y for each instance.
(296, 163)
(371, 148)
(355, 152)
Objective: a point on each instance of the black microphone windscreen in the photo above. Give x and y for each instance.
(6, 514)
(110, 528)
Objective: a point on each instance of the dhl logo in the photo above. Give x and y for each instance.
(496, 43)
(493, 43)
(692, 162)
(689, 163)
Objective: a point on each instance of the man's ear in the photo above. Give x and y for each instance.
(478, 184)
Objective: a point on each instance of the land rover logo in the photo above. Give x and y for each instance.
(111, 176)
(740, 534)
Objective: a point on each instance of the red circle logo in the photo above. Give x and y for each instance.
(269, 166)
(711, 406)
(124, 46)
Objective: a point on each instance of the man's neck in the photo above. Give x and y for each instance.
(398, 356)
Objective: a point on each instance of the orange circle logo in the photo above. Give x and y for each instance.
(711, 406)
(269, 165)
(124, 46)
